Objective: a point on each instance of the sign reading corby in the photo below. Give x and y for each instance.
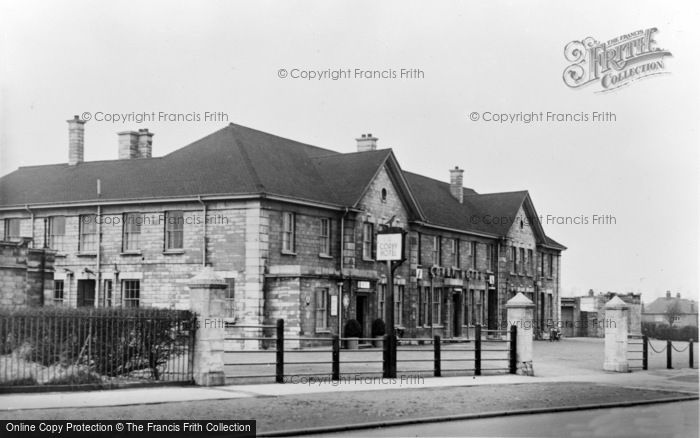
(389, 246)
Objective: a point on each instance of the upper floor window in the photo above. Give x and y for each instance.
(322, 309)
(324, 237)
(88, 233)
(530, 263)
(474, 248)
(12, 229)
(383, 195)
(132, 231)
(550, 260)
(514, 258)
(57, 232)
(288, 230)
(493, 257)
(368, 241)
(174, 230)
(455, 252)
(437, 251)
(522, 260)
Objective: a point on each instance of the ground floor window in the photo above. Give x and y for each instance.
(131, 291)
(229, 295)
(108, 293)
(425, 306)
(437, 305)
(381, 299)
(398, 305)
(58, 292)
(482, 310)
(322, 309)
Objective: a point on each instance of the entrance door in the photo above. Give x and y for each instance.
(361, 313)
(457, 315)
(86, 293)
(493, 309)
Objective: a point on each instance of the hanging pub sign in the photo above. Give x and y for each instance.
(389, 247)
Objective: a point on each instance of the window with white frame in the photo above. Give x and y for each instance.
(132, 231)
(426, 306)
(57, 232)
(398, 305)
(288, 231)
(174, 230)
(368, 241)
(88, 233)
(322, 309)
(131, 291)
(324, 237)
(58, 292)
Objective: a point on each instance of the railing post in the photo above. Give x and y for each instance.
(690, 353)
(513, 363)
(385, 357)
(645, 352)
(336, 358)
(669, 361)
(436, 350)
(392, 356)
(477, 350)
(279, 372)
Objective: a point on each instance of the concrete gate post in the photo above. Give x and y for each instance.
(520, 313)
(207, 302)
(616, 316)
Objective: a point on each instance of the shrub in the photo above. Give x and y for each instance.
(353, 329)
(111, 341)
(378, 328)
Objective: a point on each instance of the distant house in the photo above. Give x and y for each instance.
(676, 311)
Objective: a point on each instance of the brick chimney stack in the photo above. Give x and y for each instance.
(456, 183)
(128, 145)
(76, 140)
(366, 143)
(678, 295)
(668, 294)
(145, 143)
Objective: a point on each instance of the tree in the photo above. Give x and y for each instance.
(672, 311)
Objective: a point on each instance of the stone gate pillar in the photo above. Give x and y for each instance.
(616, 315)
(520, 313)
(207, 302)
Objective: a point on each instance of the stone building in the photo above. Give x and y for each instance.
(585, 315)
(292, 229)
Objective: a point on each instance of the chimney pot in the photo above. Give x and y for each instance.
(456, 183)
(76, 140)
(366, 143)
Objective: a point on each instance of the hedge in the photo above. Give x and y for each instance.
(668, 333)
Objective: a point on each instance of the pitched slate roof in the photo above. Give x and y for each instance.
(237, 160)
(661, 305)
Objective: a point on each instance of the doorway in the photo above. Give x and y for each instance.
(457, 314)
(493, 310)
(86, 293)
(361, 313)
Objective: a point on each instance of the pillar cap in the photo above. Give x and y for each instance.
(616, 303)
(206, 277)
(520, 300)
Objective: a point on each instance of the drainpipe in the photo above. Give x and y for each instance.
(31, 213)
(204, 231)
(98, 294)
(342, 265)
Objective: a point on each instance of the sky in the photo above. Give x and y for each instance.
(188, 58)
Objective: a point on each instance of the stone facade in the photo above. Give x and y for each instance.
(26, 275)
